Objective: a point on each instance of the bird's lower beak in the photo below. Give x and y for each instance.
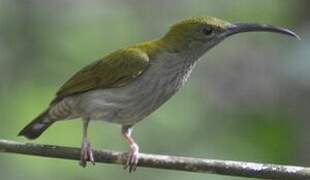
(252, 27)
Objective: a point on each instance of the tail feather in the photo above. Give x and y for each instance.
(36, 127)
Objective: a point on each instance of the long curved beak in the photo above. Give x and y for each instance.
(253, 27)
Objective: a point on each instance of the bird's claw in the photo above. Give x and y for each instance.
(86, 154)
(133, 158)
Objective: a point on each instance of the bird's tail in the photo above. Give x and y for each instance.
(36, 127)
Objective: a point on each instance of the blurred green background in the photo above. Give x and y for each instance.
(248, 99)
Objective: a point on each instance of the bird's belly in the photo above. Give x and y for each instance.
(126, 105)
(131, 103)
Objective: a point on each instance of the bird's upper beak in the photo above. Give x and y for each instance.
(253, 27)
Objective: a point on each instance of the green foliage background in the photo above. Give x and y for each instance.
(248, 99)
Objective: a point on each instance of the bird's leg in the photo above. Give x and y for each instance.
(133, 153)
(86, 151)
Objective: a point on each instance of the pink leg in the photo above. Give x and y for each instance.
(133, 153)
(86, 151)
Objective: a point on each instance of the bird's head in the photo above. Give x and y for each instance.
(201, 33)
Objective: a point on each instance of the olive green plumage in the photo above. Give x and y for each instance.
(123, 66)
(114, 70)
(127, 85)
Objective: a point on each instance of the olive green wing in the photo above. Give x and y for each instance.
(116, 70)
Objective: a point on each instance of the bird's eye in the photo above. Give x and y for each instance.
(207, 31)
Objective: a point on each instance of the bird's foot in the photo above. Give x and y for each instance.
(86, 153)
(133, 158)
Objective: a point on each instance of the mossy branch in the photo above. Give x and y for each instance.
(222, 167)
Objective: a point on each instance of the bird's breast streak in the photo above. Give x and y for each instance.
(132, 103)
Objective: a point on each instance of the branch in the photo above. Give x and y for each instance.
(223, 167)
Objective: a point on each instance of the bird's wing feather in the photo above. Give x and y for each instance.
(116, 70)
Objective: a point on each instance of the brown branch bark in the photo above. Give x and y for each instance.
(221, 167)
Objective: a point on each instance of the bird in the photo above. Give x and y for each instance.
(127, 85)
